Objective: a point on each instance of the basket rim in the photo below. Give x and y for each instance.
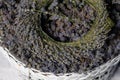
(35, 74)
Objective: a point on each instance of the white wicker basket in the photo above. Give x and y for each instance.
(102, 72)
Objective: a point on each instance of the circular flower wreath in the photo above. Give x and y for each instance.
(37, 36)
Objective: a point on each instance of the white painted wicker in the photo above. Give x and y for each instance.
(102, 72)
